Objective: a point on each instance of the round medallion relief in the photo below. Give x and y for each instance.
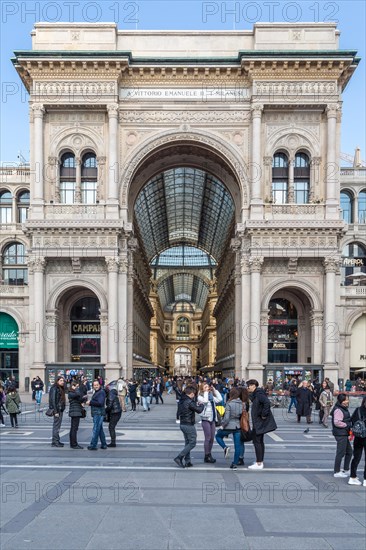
(131, 138)
(77, 142)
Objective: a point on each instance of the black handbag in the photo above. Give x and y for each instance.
(218, 421)
(246, 436)
(49, 412)
(83, 413)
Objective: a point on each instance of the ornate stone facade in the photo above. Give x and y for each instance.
(142, 113)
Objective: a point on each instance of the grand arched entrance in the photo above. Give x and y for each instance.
(184, 219)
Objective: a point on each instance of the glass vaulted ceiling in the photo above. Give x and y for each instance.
(184, 216)
(184, 206)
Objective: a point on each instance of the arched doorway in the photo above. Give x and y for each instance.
(183, 361)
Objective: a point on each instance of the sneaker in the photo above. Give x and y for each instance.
(233, 466)
(256, 466)
(111, 445)
(2, 425)
(354, 481)
(188, 464)
(227, 452)
(241, 462)
(364, 483)
(340, 474)
(347, 472)
(104, 447)
(92, 448)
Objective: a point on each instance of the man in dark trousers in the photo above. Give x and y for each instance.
(262, 420)
(97, 405)
(187, 408)
(304, 398)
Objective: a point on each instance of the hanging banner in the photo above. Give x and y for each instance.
(9, 332)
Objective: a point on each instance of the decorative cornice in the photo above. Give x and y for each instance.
(36, 264)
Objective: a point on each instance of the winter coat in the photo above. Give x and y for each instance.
(345, 419)
(304, 398)
(13, 402)
(76, 398)
(97, 403)
(293, 390)
(263, 420)
(187, 409)
(38, 385)
(145, 390)
(113, 405)
(132, 389)
(233, 412)
(208, 413)
(54, 399)
(356, 417)
(326, 399)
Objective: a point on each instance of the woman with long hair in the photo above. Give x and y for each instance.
(231, 425)
(76, 399)
(209, 397)
(359, 445)
(57, 403)
(341, 423)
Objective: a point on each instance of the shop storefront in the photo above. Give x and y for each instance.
(70, 370)
(9, 347)
(281, 373)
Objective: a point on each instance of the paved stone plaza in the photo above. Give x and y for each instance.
(134, 497)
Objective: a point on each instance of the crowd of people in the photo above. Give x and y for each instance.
(239, 409)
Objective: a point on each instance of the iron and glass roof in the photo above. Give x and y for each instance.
(184, 206)
(184, 216)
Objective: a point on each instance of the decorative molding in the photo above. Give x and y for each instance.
(167, 117)
(112, 264)
(297, 91)
(332, 264)
(256, 264)
(36, 264)
(76, 265)
(68, 90)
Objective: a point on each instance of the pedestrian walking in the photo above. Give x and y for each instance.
(262, 421)
(326, 403)
(304, 397)
(13, 406)
(292, 391)
(158, 391)
(132, 390)
(76, 400)
(209, 397)
(341, 423)
(178, 390)
(187, 408)
(122, 393)
(113, 412)
(359, 445)
(231, 426)
(2, 406)
(57, 403)
(33, 388)
(97, 406)
(145, 395)
(38, 386)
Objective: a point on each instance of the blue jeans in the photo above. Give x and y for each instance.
(38, 397)
(146, 402)
(238, 443)
(292, 402)
(98, 431)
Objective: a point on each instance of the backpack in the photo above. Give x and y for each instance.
(359, 427)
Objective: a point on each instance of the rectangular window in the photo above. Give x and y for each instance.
(22, 214)
(16, 277)
(279, 192)
(67, 192)
(301, 191)
(89, 192)
(5, 215)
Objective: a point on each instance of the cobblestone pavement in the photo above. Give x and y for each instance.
(135, 497)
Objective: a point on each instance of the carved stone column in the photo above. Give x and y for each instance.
(132, 246)
(256, 167)
(332, 167)
(316, 320)
(267, 161)
(37, 265)
(236, 247)
(331, 328)
(122, 311)
(113, 329)
(255, 367)
(113, 153)
(52, 179)
(77, 198)
(37, 170)
(245, 313)
(50, 334)
(291, 184)
(314, 179)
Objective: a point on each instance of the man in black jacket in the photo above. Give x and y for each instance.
(187, 408)
(97, 405)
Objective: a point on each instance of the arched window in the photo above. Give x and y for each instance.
(362, 206)
(282, 332)
(354, 264)
(67, 178)
(23, 206)
(279, 178)
(346, 206)
(89, 178)
(182, 328)
(5, 207)
(15, 271)
(301, 178)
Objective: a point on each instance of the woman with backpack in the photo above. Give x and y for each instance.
(231, 425)
(358, 420)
